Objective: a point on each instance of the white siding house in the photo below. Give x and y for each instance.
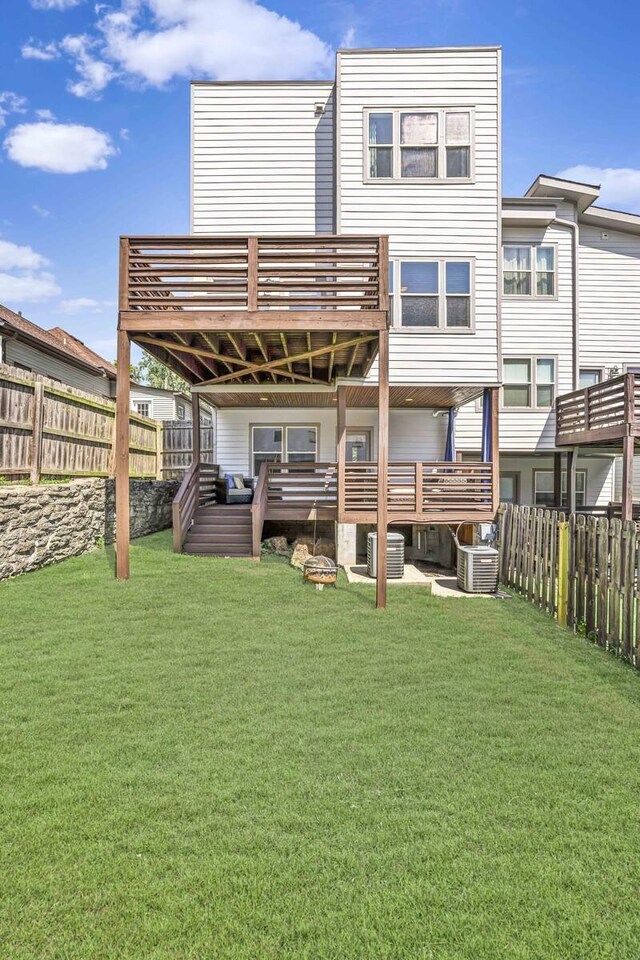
(541, 292)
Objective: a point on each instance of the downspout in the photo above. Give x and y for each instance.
(574, 226)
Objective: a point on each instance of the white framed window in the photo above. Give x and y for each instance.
(432, 295)
(143, 407)
(283, 443)
(543, 488)
(181, 411)
(529, 270)
(419, 144)
(528, 383)
(589, 377)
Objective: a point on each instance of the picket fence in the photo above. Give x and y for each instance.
(582, 570)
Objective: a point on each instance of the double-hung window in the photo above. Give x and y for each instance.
(433, 294)
(419, 144)
(529, 270)
(529, 382)
(283, 444)
(143, 407)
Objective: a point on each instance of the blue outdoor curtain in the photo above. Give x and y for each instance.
(486, 425)
(450, 446)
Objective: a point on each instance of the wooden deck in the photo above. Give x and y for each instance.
(603, 414)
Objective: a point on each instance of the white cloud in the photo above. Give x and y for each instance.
(45, 115)
(124, 133)
(35, 50)
(15, 257)
(27, 287)
(41, 211)
(153, 41)
(620, 186)
(11, 103)
(59, 147)
(55, 4)
(28, 279)
(84, 305)
(94, 73)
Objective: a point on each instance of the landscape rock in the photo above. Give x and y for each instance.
(277, 545)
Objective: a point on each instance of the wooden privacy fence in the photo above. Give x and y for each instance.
(177, 447)
(49, 429)
(582, 570)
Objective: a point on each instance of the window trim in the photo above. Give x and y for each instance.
(284, 426)
(179, 407)
(395, 112)
(533, 360)
(396, 310)
(146, 403)
(527, 297)
(563, 477)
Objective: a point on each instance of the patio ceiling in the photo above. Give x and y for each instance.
(401, 396)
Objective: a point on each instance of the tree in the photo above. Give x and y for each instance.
(154, 374)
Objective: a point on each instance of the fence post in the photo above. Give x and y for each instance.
(159, 448)
(563, 572)
(36, 431)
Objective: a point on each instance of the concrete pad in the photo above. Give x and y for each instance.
(357, 573)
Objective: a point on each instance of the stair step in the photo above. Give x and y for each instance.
(214, 551)
(219, 540)
(214, 528)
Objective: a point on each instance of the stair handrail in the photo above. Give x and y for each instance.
(258, 510)
(184, 505)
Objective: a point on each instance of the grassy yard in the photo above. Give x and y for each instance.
(215, 761)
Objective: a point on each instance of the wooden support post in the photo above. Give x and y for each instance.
(36, 431)
(341, 445)
(572, 460)
(252, 273)
(122, 455)
(495, 447)
(195, 430)
(627, 478)
(557, 480)
(383, 467)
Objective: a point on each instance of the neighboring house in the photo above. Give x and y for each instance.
(540, 291)
(59, 355)
(54, 353)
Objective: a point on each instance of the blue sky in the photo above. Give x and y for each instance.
(95, 107)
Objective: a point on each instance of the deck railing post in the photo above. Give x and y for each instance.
(341, 449)
(419, 495)
(252, 273)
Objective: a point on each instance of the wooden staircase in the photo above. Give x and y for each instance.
(220, 530)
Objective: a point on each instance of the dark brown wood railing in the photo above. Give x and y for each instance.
(432, 491)
(255, 273)
(598, 413)
(196, 490)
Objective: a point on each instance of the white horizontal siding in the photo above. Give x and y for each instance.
(413, 434)
(600, 475)
(262, 161)
(609, 298)
(427, 219)
(23, 355)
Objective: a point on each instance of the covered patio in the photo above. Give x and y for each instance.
(292, 321)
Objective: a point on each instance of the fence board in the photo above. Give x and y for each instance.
(600, 572)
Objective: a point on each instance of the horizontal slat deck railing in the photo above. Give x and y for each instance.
(254, 273)
(196, 490)
(422, 491)
(604, 411)
(301, 487)
(591, 583)
(48, 429)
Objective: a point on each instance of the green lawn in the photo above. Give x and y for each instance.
(216, 761)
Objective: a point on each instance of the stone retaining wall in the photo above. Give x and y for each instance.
(42, 524)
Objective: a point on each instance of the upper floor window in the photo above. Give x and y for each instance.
(529, 270)
(433, 294)
(419, 145)
(529, 382)
(143, 407)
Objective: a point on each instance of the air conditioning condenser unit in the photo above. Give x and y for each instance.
(478, 569)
